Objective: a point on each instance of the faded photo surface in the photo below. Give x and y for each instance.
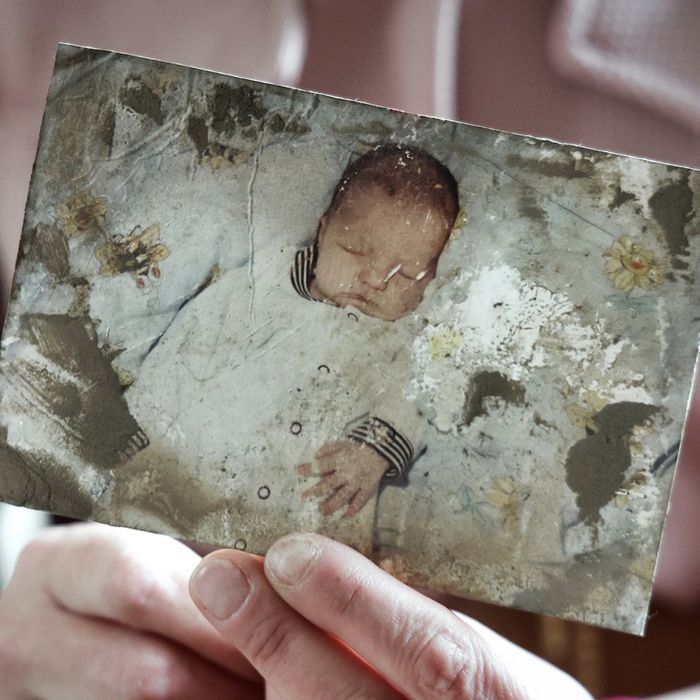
(241, 310)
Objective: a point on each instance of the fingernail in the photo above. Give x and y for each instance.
(220, 587)
(290, 559)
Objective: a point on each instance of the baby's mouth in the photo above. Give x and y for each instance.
(361, 303)
(357, 297)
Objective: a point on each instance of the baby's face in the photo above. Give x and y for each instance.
(379, 253)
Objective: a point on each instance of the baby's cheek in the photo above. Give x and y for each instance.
(343, 270)
(407, 293)
(354, 273)
(327, 273)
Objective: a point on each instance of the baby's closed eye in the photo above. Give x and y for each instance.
(352, 250)
(414, 274)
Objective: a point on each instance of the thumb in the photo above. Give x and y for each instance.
(293, 656)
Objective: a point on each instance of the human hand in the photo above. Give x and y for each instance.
(318, 621)
(348, 474)
(99, 612)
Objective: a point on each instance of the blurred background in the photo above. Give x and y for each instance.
(617, 75)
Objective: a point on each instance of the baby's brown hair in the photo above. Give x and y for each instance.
(405, 172)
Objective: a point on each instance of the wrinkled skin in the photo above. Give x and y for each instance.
(100, 612)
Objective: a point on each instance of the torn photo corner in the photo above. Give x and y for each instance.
(241, 310)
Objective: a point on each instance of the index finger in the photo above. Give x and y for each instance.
(133, 578)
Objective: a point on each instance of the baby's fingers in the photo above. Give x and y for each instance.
(336, 500)
(357, 501)
(327, 485)
(305, 469)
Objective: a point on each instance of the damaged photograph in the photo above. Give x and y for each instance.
(241, 310)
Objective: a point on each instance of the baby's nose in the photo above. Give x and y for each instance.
(375, 277)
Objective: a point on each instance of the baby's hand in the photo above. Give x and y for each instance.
(348, 474)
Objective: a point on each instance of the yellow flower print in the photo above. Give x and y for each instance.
(461, 219)
(138, 254)
(218, 156)
(628, 264)
(459, 224)
(445, 342)
(126, 378)
(82, 212)
(505, 495)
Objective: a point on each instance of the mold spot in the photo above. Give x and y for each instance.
(530, 208)
(490, 384)
(290, 125)
(542, 423)
(232, 107)
(374, 128)
(107, 126)
(198, 133)
(596, 465)
(80, 306)
(672, 206)
(38, 481)
(50, 247)
(141, 99)
(620, 196)
(69, 56)
(569, 167)
(97, 421)
(277, 123)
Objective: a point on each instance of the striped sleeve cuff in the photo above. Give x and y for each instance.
(302, 271)
(138, 441)
(386, 441)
